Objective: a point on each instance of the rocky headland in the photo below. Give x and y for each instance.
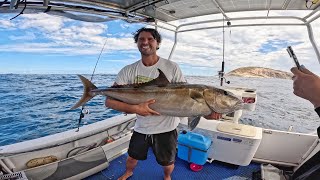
(259, 72)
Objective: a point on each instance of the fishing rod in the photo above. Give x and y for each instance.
(86, 111)
(221, 73)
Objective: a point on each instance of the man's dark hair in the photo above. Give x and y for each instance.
(153, 32)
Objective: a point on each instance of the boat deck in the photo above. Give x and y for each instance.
(149, 169)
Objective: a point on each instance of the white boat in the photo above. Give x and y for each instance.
(79, 154)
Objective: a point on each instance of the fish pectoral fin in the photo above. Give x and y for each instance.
(193, 122)
(196, 95)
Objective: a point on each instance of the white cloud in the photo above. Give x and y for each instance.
(247, 46)
(244, 46)
(125, 35)
(74, 35)
(124, 25)
(67, 47)
(41, 21)
(6, 24)
(65, 36)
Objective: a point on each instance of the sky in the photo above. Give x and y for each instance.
(46, 44)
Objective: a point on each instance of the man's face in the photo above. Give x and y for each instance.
(147, 45)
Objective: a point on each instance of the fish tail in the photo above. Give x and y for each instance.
(87, 87)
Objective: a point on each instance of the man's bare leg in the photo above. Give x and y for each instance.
(167, 171)
(130, 165)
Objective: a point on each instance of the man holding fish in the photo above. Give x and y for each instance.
(155, 89)
(151, 128)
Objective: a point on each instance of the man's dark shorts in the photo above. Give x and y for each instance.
(164, 146)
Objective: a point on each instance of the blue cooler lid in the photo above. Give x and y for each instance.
(195, 140)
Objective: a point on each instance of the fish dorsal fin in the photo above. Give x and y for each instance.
(160, 81)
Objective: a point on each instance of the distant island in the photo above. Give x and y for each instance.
(260, 72)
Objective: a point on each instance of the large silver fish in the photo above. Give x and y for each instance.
(172, 99)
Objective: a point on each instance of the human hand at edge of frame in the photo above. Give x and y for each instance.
(214, 116)
(306, 85)
(143, 109)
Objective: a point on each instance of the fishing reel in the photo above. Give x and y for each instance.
(82, 113)
(85, 111)
(225, 80)
(221, 77)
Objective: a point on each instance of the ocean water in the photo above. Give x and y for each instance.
(34, 106)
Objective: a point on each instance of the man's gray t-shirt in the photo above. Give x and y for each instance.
(139, 73)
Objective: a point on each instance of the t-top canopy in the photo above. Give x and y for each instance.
(149, 10)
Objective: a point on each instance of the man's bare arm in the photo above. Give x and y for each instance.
(141, 109)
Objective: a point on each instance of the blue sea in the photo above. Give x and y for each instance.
(34, 106)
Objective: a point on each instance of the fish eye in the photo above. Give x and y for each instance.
(225, 93)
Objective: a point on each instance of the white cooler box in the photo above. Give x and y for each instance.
(234, 143)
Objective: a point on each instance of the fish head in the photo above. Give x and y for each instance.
(222, 101)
